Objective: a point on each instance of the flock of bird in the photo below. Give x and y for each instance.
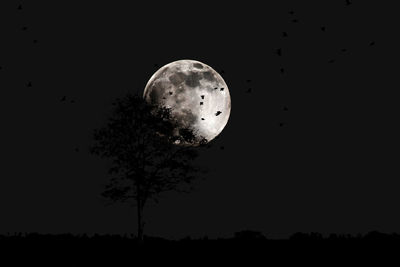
(278, 52)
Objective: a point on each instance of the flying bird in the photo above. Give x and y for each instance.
(248, 90)
(281, 124)
(29, 84)
(218, 112)
(24, 28)
(222, 89)
(201, 103)
(331, 61)
(371, 43)
(63, 99)
(285, 108)
(344, 50)
(72, 101)
(282, 70)
(170, 93)
(295, 20)
(348, 2)
(202, 119)
(291, 12)
(19, 7)
(284, 34)
(323, 28)
(202, 97)
(248, 81)
(222, 147)
(279, 52)
(35, 41)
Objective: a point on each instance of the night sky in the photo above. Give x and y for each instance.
(314, 145)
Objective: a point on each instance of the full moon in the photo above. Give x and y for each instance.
(197, 95)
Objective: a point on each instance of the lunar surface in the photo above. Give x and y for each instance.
(196, 94)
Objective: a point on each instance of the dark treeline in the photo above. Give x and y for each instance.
(247, 246)
(246, 235)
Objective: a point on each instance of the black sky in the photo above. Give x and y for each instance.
(312, 147)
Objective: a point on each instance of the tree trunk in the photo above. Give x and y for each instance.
(140, 220)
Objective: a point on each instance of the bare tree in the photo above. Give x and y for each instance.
(149, 153)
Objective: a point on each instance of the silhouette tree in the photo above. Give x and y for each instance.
(149, 153)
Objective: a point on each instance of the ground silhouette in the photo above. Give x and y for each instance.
(249, 246)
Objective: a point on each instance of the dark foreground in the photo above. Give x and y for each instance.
(246, 247)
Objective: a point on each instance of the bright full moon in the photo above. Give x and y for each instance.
(196, 94)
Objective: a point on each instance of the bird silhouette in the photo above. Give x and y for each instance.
(281, 124)
(248, 90)
(285, 108)
(77, 149)
(344, 50)
(201, 103)
(35, 41)
(24, 28)
(248, 81)
(218, 112)
(284, 34)
(372, 43)
(282, 70)
(72, 101)
(291, 12)
(202, 119)
(19, 7)
(29, 84)
(331, 61)
(170, 93)
(348, 2)
(222, 147)
(279, 52)
(323, 28)
(295, 20)
(215, 88)
(222, 89)
(202, 97)
(63, 99)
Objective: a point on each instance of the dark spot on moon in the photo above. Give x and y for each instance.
(201, 103)
(193, 79)
(179, 90)
(177, 78)
(208, 75)
(197, 65)
(222, 89)
(155, 94)
(202, 119)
